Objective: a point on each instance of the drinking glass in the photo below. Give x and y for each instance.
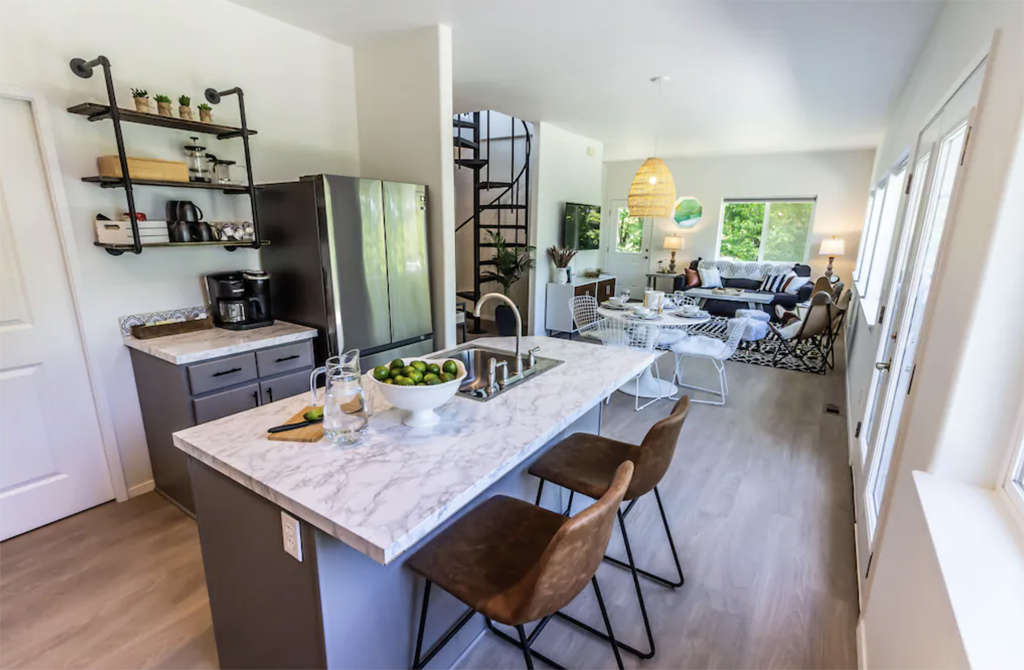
(346, 410)
(624, 294)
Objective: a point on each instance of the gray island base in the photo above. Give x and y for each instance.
(350, 602)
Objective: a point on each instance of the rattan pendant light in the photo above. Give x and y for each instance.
(653, 191)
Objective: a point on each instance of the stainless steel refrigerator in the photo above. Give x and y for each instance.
(348, 256)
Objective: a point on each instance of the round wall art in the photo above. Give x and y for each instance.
(687, 212)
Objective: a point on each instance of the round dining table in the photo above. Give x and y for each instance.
(650, 386)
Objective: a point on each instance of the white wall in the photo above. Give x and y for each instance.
(839, 179)
(404, 99)
(967, 389)
(299, 96)
(568, 170)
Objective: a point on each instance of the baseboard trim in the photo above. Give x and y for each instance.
(862, 646)
(139, 489)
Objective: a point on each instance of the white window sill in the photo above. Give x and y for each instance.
(869, 308)
(979, 542)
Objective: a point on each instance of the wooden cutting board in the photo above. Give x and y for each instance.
(311, 433)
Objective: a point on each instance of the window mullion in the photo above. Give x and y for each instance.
(764, 231)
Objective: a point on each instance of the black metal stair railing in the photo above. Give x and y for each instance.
(513, 199)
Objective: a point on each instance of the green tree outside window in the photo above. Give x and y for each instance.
(784, 235)
(630, 235)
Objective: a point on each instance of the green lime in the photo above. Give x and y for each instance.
(404, 381)
(415, 375)
(434, 368)
(381, 372)
(314, 414)
(451, 368)
(398, 364)
(431, 376)
(420, 384)
(407, 369)
(395, 372)
(419, 365)
(445, 377)
(389, 380)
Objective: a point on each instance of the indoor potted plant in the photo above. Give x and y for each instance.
(205, 113)
(561, 258)
(141, 98)
(184, 107)
(509, 266)
(163, 105)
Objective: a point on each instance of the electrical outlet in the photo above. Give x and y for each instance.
(291, 536)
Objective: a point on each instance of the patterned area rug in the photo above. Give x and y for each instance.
(763, 351)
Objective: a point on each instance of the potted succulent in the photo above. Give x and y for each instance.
(163, 105)
(205, 113)
(184, 107)
(141, 98)
(561, 258)
(509, 266)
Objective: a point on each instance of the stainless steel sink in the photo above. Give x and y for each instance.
(476, 360)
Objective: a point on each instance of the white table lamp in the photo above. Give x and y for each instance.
(673, 244)
(832, 248)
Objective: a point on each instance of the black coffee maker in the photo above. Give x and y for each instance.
(240, 300)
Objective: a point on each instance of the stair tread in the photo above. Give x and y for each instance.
(472, 163)
(485, 185)
(461, 123)
(502, 205)
(463, 143)
(468, 295)
(489, 245)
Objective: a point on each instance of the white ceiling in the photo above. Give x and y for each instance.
(746, 77)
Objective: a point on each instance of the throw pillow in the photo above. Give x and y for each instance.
(794, 283)
(773, 283)
(692, 278)
(710, 278)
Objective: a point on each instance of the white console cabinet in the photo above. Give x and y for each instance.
(559, 314)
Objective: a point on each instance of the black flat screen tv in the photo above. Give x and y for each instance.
(582, 227)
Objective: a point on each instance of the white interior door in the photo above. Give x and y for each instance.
(627, 242)
(937, 169)
(52, 462)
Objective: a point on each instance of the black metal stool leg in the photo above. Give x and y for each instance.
(568, 510)
(525, 644)
(607, 622)
(423, 625)
(640, 598)
(540, 489)
(511, 640)
(671, 543)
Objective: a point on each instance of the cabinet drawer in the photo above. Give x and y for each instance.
(285, 386)
(282, 359)
(586, 289)
(605, 289)
(222, 404)
(203, 377)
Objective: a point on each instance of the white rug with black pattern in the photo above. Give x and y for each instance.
(762, 352)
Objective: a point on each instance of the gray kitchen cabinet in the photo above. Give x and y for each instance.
(285, 386)
(175, 397)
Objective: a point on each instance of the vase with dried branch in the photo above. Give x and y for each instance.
(561, 258)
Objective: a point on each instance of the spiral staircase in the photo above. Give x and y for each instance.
(501, 201)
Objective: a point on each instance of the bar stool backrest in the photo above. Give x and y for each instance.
(573, 555)
(653, 456)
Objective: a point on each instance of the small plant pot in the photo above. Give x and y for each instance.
(163, 108)
(184, 112)
(561, 275)
(142, 105)
(206, 115)
(505, 319)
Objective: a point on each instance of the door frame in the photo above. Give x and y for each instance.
(65, 234)
(866, 581)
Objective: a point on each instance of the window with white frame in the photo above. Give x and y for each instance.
(766, 230)
(876, 241)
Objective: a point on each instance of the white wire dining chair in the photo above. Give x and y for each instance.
(713, 349)
(636, 335)
(680, 298)
(585, 316)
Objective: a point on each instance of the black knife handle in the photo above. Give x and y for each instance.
(291, 426)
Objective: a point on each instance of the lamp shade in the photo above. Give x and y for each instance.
(833, 247)
(653, 191)
(673, 243)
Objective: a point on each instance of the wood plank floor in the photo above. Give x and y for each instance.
(759, 498)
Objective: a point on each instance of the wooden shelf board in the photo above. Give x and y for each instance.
(97, 112)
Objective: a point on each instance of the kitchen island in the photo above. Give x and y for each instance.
(349, 602)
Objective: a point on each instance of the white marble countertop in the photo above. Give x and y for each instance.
(204, 345)
(399, 484)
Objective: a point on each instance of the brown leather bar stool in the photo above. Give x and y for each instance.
(515, 563)
(586, 464)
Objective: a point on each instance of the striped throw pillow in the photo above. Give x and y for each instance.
(773, 283)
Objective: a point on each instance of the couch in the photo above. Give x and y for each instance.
(748, 282)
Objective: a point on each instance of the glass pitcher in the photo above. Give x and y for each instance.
(346, 410)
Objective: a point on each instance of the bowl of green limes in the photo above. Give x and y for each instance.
(419, 386)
